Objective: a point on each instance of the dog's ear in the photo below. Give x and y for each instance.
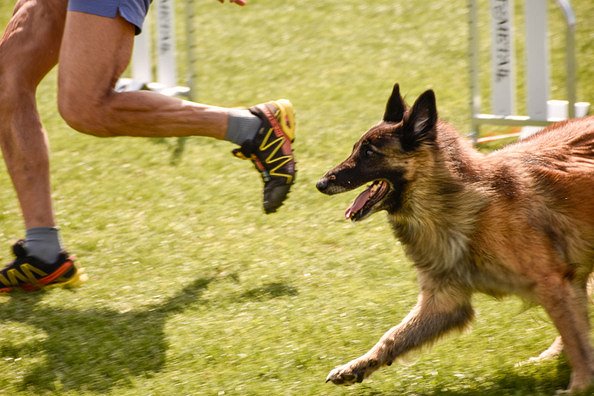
(395, 107)
(419, 125)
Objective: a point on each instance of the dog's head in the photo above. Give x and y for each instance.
(385, 156)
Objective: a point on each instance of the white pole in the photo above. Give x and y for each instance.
(537, 59)
(502, 58)
(166, 63)
(141, 56)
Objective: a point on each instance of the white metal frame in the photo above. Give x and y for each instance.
(159, 73)
(503, 68)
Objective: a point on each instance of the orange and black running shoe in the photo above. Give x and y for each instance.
(28, 273)
(271, 151)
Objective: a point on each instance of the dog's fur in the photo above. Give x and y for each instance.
(517, 221)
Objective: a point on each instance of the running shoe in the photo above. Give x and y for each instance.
(271, 151)
(28, 273)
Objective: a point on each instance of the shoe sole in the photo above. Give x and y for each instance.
(52, 280)
(283, 125)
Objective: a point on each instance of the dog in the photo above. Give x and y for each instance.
(519, 220)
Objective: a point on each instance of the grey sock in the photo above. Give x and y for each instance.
(242, 126)
(43, 243)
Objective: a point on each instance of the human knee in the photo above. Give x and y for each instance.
(85, 115)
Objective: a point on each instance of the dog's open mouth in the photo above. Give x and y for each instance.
(363, 204)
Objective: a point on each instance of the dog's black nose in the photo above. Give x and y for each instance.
(322, 184)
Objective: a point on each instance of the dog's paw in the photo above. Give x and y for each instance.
(552, 352)
(352, 372)
(343, 376)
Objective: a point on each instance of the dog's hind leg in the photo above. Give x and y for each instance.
(566, 304)
(556, 348)
(439, 309)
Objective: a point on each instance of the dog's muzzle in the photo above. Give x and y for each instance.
(324, 185)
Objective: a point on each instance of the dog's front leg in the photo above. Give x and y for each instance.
(437, 312)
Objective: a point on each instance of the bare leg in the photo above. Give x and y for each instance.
(34, 32)
(95, 51)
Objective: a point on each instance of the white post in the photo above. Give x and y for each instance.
(141, 56)
(502, 58)
(537, 59)
(166, 63)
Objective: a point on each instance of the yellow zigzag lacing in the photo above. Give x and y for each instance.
(14, 276)
(282, 160)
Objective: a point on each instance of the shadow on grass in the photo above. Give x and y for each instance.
(531, 380)
(93, 350)
(177, 146)
(269, 291)
(536, 381)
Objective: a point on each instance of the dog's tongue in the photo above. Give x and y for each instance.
(358, 203)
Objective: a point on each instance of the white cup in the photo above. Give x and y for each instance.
(557, 110)
(581, 109)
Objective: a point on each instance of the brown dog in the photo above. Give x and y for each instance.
(517, 221)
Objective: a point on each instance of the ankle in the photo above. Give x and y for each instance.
(242, 126)
(43, 243)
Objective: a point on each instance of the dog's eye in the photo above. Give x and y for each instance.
(368, 151)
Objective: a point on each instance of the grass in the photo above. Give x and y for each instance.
(193, 291)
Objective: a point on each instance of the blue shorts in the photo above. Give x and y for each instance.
(134, 11)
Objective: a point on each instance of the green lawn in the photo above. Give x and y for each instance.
(194, 291)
